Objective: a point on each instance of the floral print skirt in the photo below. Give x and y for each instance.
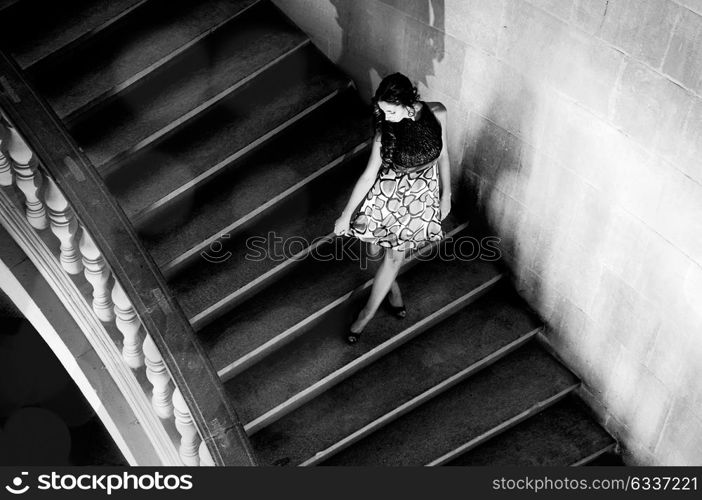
(401, 210)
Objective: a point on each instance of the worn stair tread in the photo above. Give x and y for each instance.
(32, 30)
(148, 36)
(308, 287)
(288, 159)
(427, 287)
(308, 214)
(291, 87)
(4, 4)
(494, 321)
(559, 436)
(608, 459)
(204, 73)
(514, 385)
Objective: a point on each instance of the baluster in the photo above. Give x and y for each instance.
(159, 377)
(64, 226)
(97, 274)
(128, 323)
(28, 179)
(189, 438)
(5, 168)
(205, 456)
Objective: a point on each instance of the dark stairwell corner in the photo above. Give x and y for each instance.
(217, 123)
(44, 417)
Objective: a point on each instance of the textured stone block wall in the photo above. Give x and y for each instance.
(576, 126)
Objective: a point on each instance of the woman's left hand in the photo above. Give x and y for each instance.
(445, 206)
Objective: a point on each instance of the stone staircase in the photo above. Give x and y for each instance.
(216, 124)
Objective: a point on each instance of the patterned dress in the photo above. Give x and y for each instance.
(402, 210)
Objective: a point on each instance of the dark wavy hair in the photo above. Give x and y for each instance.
(394, 89)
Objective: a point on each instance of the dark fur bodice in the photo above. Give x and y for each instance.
(418, 142)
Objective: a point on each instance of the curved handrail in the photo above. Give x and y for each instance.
(142, 281)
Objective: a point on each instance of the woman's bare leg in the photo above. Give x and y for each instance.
(384, 278)
(374, 250)
(394, 295)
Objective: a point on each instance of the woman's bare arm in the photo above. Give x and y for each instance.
(365, 182)
(444, 165)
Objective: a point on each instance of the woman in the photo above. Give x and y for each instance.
(405, 188)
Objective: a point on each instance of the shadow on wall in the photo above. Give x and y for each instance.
(388, 54)
(497, 164)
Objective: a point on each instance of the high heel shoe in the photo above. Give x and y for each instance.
(353, 337)
(398, 311)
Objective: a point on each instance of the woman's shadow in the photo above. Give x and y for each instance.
(372, 48)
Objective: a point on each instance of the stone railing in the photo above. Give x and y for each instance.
(56, 207)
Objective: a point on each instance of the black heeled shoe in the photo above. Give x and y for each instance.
(398, 311)
(353, 337)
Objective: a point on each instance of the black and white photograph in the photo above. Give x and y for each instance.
(351, 233)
